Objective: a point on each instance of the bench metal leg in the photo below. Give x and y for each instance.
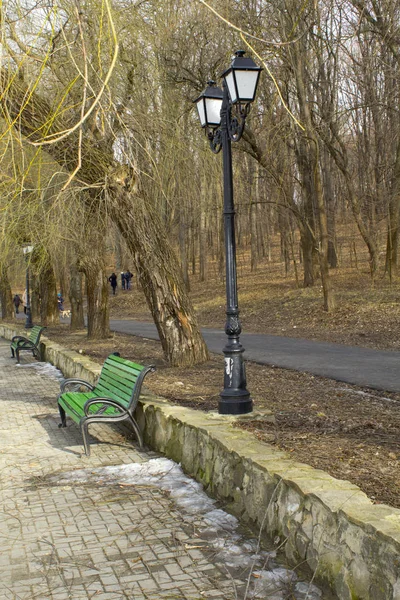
(63, 416)
(137, 431)
(84, 426)
(12, 352)
(17, 353)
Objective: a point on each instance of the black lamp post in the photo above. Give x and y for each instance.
(28, 322)
(215, 108)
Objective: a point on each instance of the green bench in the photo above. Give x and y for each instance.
(114, 397)
(21, 343)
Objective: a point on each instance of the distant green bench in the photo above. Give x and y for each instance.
(114, 397)
(21, 343)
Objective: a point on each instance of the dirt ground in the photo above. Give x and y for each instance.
(352, 433)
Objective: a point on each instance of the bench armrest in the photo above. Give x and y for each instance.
(24, 344)
(19, 338)
(106, 403)
(74, 382)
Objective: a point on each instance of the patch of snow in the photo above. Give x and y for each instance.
(221, 520)
(307, 591)
(44, 368)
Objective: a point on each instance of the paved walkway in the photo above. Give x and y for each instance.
(377, 369)
(74, 541)
(73, 528)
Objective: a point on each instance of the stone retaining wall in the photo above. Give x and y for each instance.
(329, 524)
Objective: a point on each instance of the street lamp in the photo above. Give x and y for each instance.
(215, 108)
(28, 322)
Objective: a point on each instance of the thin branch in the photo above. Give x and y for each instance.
(58, 136)
(246, 33)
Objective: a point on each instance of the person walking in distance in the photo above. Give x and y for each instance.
(17, 302)
(113, 281)
(128, 277)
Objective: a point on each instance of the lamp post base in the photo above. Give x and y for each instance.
(234, 398)
(231, 403)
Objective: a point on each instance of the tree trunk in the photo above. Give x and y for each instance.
(119, 263)
(253, 237)
(183, 249)
(76, 299)
(49, 313)
(311, 158)
(393, 218)
(7, 307)
(203, 233)
(263, 222)
(307, 244)
(330, 208)
(97, 290)
(307, 223)
(392, 242)
(329, 297)
(284, 231)
(368, 236)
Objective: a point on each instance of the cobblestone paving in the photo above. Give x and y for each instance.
(82, 541)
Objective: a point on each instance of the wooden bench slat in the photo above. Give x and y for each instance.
(113, 383)
(124, 363)
(109, 392)
(123, 366)
(113, 374)
(74, 403)
(119, 387)
(110, 377)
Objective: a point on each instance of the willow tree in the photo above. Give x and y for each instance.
(80, 129)
(36, 209)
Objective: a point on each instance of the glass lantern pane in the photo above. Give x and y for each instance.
(213, 108)
(246, 84)
(201, 111)
(230, 81)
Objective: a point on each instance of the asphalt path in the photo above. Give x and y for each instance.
(365, 367)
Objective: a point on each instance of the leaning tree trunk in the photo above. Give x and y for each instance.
(7, 309)
(160, 277)
(156, 263)
(76, 299)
